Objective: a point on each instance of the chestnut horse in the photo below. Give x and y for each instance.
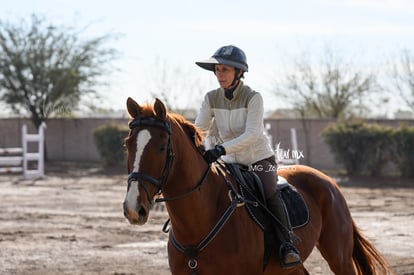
(209, 233)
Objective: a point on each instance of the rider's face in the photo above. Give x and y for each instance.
(225, 75)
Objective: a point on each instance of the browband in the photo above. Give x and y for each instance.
(150, 121)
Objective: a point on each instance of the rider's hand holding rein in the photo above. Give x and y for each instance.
(213, 154)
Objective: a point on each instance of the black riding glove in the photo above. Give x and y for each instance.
(213, 154)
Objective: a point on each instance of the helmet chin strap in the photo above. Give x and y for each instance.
(229, 90)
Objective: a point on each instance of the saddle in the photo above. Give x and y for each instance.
(251, 188)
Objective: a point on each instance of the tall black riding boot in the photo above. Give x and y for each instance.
(289, 255)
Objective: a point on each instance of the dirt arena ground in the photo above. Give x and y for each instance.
(71, 222)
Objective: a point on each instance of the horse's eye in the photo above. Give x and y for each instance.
(163, 148)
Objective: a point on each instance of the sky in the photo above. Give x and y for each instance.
(177, 33)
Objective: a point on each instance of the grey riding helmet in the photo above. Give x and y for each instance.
(226, 55)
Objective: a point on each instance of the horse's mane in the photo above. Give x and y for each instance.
(194, 134)
(192, 131)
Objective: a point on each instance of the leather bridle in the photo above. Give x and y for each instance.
(136, 176)
(161, 181)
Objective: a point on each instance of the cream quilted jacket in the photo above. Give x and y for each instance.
(239, 124)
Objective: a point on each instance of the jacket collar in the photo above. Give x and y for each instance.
(236, 91)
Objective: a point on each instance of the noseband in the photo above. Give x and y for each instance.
(136, 176)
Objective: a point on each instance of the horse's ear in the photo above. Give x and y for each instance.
(133, 108)
(160, 109)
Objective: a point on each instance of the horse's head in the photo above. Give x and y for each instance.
(149, 157)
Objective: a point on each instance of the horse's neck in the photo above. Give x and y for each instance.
(194, 215)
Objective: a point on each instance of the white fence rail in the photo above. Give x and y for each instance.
(286, 156)
(17, 159)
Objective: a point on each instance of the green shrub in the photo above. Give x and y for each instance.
(379, 148)
(109, 140)
(360, 147)
(403, 141)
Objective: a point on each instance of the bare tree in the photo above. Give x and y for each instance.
(46, 69)
(328, 89)
(174, 86)
(403, 77)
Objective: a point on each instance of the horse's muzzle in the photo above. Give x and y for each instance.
(137, 216)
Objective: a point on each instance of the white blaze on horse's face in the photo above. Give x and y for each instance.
(143, 139)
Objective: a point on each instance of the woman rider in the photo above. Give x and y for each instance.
(237, 113)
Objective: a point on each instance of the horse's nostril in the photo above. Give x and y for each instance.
(142, 211)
